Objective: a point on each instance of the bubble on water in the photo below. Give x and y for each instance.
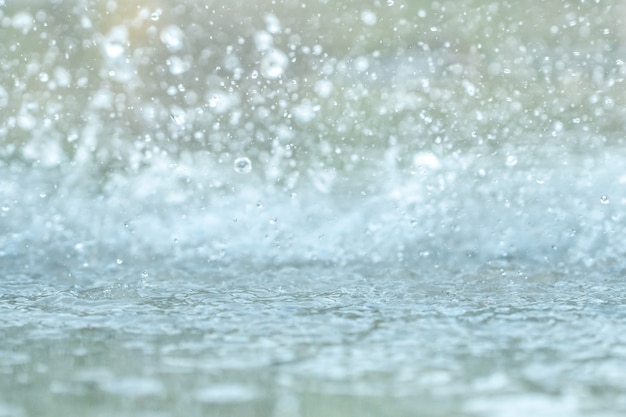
(368, 17)
(604, 199)
(172, 36)
(242, 165)
(274, 64)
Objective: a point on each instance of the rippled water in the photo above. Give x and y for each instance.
(313, 340)
(406, 208)
(284, 305)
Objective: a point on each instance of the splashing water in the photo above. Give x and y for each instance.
(408, 208)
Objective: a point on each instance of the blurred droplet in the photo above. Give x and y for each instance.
(323, 88)
(368, 17)
(604, 199)
(172, 36)
(274, 64)
(511, 161)
(242, 165)
(156, 15)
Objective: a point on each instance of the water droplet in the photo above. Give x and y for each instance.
(177, 66)
(604, 199)
(23, 21)
(273, 24)
(156, 15)
(368, 17)
(323, 88)
(273, 64)
(178, 115)
(511, 161)
(242, 165)
(119, 261)
(172, 36)
(113, 48)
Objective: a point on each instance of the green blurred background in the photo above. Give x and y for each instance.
(300, 86)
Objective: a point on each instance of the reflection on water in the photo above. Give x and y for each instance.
(312, 208)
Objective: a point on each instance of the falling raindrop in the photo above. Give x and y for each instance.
(156, 15)
(323, 88)
(368, 17)
(242, 165)
(172, 36)
(178, 115)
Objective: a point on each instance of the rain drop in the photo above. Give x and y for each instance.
(172, 36)
(273, 64)
(156, 15)
(242, 165)
(511, 161)
(368, 17)
(604, 199)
